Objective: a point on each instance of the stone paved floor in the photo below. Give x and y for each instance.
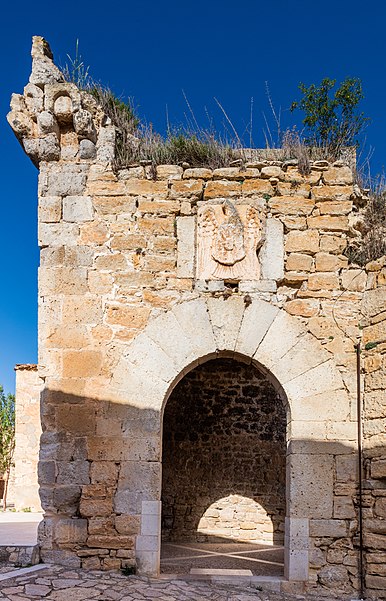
(262, 560)
(61, 584)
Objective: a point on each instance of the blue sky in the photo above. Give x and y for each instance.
(151, 51)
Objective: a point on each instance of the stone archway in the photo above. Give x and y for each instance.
(197, 330)
(224, 469)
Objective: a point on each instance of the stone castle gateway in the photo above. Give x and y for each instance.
(197, 335)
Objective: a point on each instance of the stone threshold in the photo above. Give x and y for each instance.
(24, 571)
(235, 578)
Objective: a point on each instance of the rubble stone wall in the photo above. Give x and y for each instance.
(374, 432)
(147, 272)
(224, 455)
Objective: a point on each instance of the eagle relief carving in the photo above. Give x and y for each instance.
(229, 237)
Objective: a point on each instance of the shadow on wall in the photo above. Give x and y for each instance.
(100, 466)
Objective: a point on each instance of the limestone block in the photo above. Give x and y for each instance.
(333, 244)
(344, 508)
(374, 333)
(63, 280)
(291, 205)
(334, 528)
(327, 262)
(302, 307)
(66, 499)
(222, 189)
(69, 180)
(303, 356)
(141, 476)
(147, 543)
(323, 281)
(378, 468)
(81, 364)
(71, 472)
(187, 189)
(272, 252)
(145, 187)
(87, 149)
(34, 99)
(48, 148)
(95, 508)
(50, 209)
(114, 541)
(318, 379)
(106, 144)
(272, 171)
(147, 354)
(257, 319)
(83, 124)
(192, 318)
(150, 525)
(335, 208)
(257, 187)
(62, 99)
(225, 316)
(328, 193)
(104, 472)
(282, 335)
(327, 222)
(332, 576)
(304, 241)
(321, 406)
(132, 316)
(147, 562)
(21, 123)
(311, 486)
(170, 172)
(186, 232)
(192, 334)
(296, 563)
(293, 175)
(77, 209)
(70, 531)
(139, 388)
(342, 431)
(354, 279)
(296, 533)
(293, 189)
(47, 124)
(43, 69)
(127, 524)
(198, 173)
(299, 262)
(338, 176)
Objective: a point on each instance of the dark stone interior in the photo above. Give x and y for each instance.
(224, 434)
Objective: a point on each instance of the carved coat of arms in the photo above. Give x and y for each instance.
(229, 237)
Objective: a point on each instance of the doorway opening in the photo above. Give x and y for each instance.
(224, 471)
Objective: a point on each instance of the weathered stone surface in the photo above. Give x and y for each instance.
(291, 205)
(304, 308)
(77, 209)
(340, 176)
(307, 241)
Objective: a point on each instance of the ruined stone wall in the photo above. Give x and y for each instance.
(24, 489)
(374, 421)
(137, 285)
(224, 454)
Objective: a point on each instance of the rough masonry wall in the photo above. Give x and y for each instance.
(24, 489)
(374, 422)
(224, 455)
(118, 253)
